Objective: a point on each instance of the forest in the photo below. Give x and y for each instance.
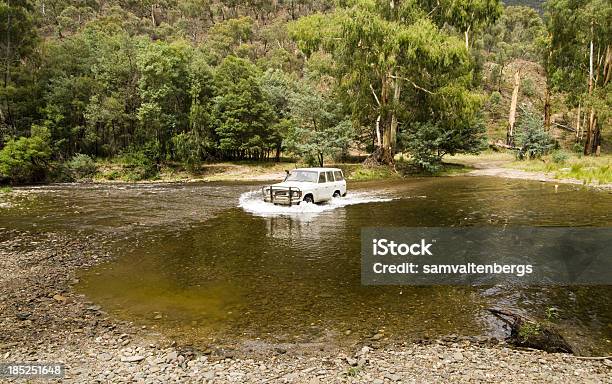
(151, 82)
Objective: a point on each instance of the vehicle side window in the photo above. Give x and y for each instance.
(330, 176)
(322, 177)
(338, 175)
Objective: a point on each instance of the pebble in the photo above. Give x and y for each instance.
(457, 356)
(105, 356)
(132, 359)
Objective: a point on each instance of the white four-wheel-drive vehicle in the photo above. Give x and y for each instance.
(311, 185)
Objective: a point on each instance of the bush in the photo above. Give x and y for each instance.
(81, 167)
(189, 149)
(26, 160)
(428, 142)
(138, 166)
(560, 157)
(578, 148)
(528, 87)
(532, 140)
(495, 98)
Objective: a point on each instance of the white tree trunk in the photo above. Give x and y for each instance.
(512, 114)
(578, 135)
(396, 97)
(378, 139)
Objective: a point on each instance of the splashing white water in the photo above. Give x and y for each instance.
(252, 202)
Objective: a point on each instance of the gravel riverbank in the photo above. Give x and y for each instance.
(43, 319)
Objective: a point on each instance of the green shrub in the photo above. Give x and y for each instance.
(138, 166)
(26, 159)
(531, 138)
(190, 149)
(495, 98)
(428, 142)
(81, 167)
(528, 87)
(560, 157)
(311, 160)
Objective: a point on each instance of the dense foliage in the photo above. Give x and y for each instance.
(151, 82)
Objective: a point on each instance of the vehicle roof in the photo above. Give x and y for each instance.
(317, 169)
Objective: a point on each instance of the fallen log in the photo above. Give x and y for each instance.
(565, 127)
(500, 144)
(529, 333)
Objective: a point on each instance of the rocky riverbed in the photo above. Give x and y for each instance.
(43, 319)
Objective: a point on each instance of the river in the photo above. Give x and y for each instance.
(209, 264)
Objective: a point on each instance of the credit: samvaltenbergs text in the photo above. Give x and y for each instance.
(469, 268)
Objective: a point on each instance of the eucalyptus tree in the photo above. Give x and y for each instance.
(579, 60)
(519, 34)
(396, 68)
(318, 127)
(468, 16)
(18, 39)
(241, 113)
(164, 90)
(112, 111)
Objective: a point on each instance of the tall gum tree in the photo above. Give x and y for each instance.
(468, 16)
(17, 41)
(579, 59)
(393, 63)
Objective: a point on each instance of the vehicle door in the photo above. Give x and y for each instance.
(331, 184)
(320, 192)
(340, 182)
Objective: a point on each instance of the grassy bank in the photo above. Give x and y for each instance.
(113, 171)
(108, 171)
(484, 159)
(176, 172)
(562, 165)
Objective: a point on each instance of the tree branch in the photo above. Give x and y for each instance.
(413, 84)
(374, 93)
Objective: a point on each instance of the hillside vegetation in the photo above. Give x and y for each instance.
(145, 84)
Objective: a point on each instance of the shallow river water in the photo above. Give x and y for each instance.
(211, 264)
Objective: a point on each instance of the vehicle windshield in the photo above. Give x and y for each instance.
(302, 176)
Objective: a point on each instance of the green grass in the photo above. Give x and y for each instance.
(528, 330)
(486, 156)
(590, 170)
(6, 189)
(361, 173)
(453, 170)
(353, 371)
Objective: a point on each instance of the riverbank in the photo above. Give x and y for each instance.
(44, 319)
(238, 171)
(593, 172)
